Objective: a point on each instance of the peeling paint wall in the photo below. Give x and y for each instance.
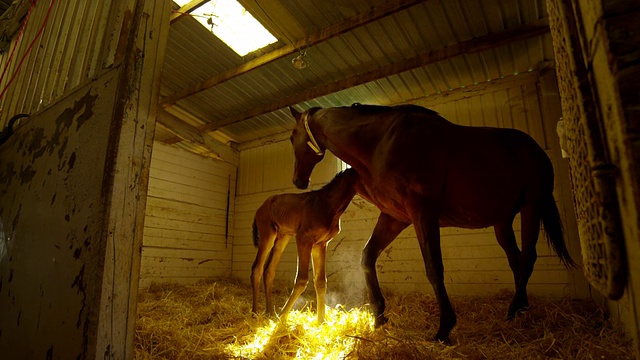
(52, 211)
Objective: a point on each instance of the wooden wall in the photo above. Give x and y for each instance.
(186, 237)
(474, 262)
(74, 176)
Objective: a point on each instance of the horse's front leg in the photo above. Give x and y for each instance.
(385, 231)
(319, 253)
(302, 276)
(428, 232)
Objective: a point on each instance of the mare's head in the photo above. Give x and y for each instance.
(308, 152)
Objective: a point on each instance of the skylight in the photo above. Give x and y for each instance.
(231, 23)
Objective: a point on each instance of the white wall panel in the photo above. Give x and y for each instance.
(188, 231)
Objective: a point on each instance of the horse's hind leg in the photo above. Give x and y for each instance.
(530, 218)
(507, 240)
(428, 232)
(267, 238)
(386, 230)
(319, 253)
(270, 269)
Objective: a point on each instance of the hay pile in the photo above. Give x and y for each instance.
(211, 320)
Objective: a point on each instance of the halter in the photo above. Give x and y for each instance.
(313, 144)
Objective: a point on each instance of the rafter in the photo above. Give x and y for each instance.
(471, 46)
(192, 5)
(194, 135)
(325, 34)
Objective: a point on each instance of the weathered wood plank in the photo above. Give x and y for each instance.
(174, 234)
(180, 192)
(183, 158)
(175, 213)
(185, 254)
(215, 178)
(209, 210)
(208, 242)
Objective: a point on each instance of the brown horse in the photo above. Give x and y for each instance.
(421, 169)
(314, 219)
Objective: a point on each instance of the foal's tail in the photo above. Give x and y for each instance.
(553, 228)
(255, 233)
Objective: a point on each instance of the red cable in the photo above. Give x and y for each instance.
(15, 73)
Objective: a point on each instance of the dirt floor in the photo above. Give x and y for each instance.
(212, 320)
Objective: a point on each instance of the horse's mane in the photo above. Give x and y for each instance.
(376, 109)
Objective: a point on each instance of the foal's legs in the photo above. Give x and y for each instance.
(385, 231)
(302, 276)
(319, 253)
(266, 236)
(270, 270)
(427, 228)
(530, 217)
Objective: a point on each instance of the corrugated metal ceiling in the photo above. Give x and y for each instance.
(195, 55)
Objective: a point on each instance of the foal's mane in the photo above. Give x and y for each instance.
(336, 181)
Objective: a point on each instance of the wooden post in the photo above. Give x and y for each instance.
(131, 142)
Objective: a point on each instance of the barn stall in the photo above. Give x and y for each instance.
(221, 147)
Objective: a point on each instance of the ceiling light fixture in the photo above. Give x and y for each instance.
(299, 62)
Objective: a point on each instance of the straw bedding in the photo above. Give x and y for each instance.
(212, 320)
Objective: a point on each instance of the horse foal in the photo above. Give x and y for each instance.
(314, 219)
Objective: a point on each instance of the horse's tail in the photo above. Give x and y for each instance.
(255, 233)
(553, 228)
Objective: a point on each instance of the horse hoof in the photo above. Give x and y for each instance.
(513, 313)
(443, 340)
(381, 320)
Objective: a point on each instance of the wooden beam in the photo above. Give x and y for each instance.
(192, 134)
(325, 34)
(465, 47)
(185, 10)
(475, 90)
(266, 140)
